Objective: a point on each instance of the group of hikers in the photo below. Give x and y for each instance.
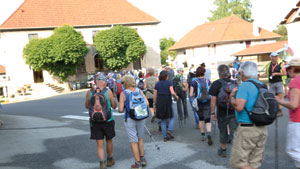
(238, 102)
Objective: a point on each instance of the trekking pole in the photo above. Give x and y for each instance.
(156, 145)
(276, 144)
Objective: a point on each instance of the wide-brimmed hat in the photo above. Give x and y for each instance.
(295, 61)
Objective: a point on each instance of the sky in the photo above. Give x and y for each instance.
(178, 17)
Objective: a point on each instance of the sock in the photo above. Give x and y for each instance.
(203, 134)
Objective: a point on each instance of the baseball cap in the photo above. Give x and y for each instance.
(101, 77)
(274, 54)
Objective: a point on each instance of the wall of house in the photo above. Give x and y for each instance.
(293, 36)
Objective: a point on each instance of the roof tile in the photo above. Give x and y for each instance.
(53, 13)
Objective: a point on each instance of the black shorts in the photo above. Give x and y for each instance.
(150, 103)
(99, 130)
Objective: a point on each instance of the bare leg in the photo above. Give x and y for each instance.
(135, 151)
(141, 147)
(201, 126)
(100, 149)
(109, 147)
(208, 127)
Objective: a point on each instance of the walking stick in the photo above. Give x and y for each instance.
(276, 144)
(156, 145)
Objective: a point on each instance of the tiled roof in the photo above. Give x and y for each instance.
(2, 69)
(53, 13)
(261, 49)
(293, 15)
(228, 29)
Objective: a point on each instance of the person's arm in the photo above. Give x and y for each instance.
(238, 104)
(263, 74)
(87, 99)
(112, 99)
(192, 91)
(213, 102)
(145, 84)
(121, 103)
(173, 93)
(283, 73)
(293, 102)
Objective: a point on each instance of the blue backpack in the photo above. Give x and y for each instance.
(136, 105)
(202, 91)
(111, 83)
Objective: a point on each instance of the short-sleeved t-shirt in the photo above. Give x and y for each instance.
(295, 114)
(215, 89)
(248, 92)
(163, 87)
(195, 86)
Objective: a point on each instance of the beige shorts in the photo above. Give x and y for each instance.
(248, 146)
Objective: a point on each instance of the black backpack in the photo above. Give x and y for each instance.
(140, 84)
(265, 108)
(177, 87)
(223, 99)
(98, 108)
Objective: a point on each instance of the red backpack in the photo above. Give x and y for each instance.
(119, 87)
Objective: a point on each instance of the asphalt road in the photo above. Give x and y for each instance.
(53, 133)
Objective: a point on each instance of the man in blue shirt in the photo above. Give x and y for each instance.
(249, 142)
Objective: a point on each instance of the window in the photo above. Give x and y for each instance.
(1, 91)
(32, 36)
(248, 44)
(94, 33)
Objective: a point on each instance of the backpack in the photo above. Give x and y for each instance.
(177, 86)
(136, 105)
(111, 83)
(98, 107)
(140, 84)
(119, 87)
(223, 99)
(265, 108)
(202, 91)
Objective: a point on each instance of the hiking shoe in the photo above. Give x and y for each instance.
(143, 161)
(209, 140)
(136, 165)
(170, 135)
(166, 139)
(103, 165)
(221, 152)
(110, 161)
(202, 137)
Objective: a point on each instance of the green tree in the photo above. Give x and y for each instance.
(281, 30)
(241, 8)
(60, 54)
(119, 46)
(165, 44)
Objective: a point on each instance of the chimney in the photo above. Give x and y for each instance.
(255, 28)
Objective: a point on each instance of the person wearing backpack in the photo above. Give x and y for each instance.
(190, 78)
(221, 109)
(180, 88)
(103, 126)
(199, 90)
(111, 83)
(136, 111)
(149, 87)
(118, 87)
(140, 82)
(249, 141)
(293, 104)
(162, 102)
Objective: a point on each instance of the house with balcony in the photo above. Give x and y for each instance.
(215, 42)
(38, 19)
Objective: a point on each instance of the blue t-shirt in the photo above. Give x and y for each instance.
(163, 87)
(248, 92)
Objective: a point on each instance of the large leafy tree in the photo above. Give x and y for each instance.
(165, 44)
(119, 46)
(281, 30)
(241, 8)
(60, 54)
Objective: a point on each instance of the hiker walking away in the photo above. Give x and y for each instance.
(134, 126)
(149, 87)
(162, 103)
(275, 73)
(207, 71)
(118, 87)
(190, 78)
(221, 109)
(199, 90)
(140, 81)
(293, 104)
(170, 71)
(106, 129)
(249, 141)
(180, 87)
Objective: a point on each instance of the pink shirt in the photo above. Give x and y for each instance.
(295, 114)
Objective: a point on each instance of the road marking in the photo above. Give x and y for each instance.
(76, 117)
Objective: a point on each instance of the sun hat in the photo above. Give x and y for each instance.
(295, 61)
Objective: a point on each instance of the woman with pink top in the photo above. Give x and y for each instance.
(293, 104)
